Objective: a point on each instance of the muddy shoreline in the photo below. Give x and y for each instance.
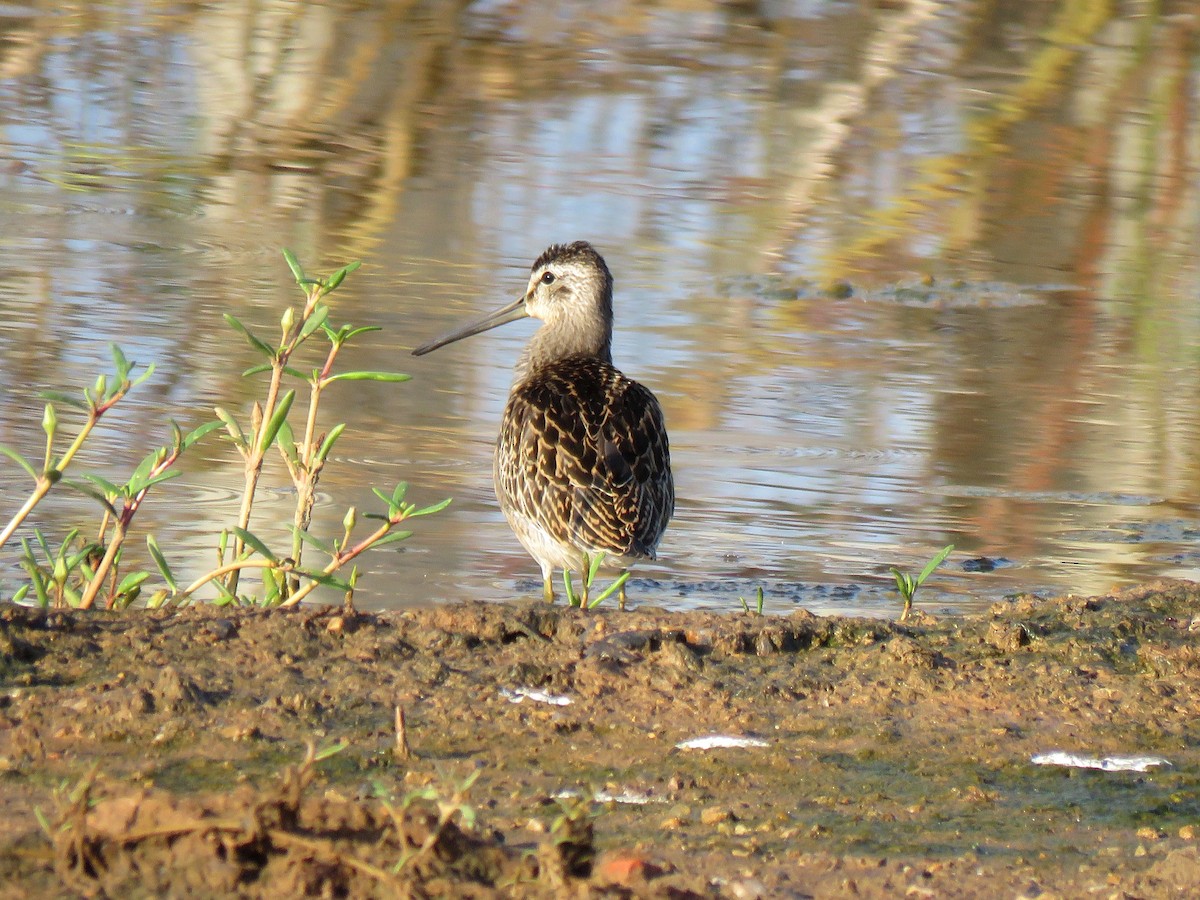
(165, 754)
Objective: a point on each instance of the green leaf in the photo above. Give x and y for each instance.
(934, 563)
(287, 443)
(95, 495)
(319, 314)
(392, 537)
(142, 472)
(120, 362)
(72, 596)
(20, 594)
(340, 275)
(331, 750)
(255, 342)
(572, 600)
(254, 543)
(19, 460)
(131, 581)
(149, 371)
(43, 543)
(267, 367)
(382, 496)
(158, 599)
(161, 562)
(389, 377)
(312, 540)
(231, 426)
(610, 590)
(277, 420)
(430, 510)
(330, 440)
(273, 580)
(293, 264)
(88, 571)
(594, 566)
(399, 492)
(348, 332)
(158, 479)
(110, 489)
(322, 578)
(40, 587)
(80, 554)
(65, 399)
(225, 597)
(199, 433)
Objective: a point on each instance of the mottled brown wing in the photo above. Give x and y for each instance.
(583, 451)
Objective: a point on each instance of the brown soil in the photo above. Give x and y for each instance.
(165, 754)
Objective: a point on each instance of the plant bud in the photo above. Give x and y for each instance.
(50, 420)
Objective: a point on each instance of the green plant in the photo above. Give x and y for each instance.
(97, 401)
(286, 581)
(305, 457)
(448, 808)
(758, 606)
(572, 834)
(907, 585)
(593, 563)
(78, 572)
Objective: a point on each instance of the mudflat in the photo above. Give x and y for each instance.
(225, 752)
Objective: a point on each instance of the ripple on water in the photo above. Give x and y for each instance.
(1098, 498)
(931, 293)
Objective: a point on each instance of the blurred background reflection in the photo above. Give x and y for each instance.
(903, 274)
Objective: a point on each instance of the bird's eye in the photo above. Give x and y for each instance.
(547, 278)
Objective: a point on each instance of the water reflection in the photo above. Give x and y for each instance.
(901, 274)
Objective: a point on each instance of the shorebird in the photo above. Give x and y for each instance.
(582, 464)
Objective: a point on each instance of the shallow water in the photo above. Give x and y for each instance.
(900, 277)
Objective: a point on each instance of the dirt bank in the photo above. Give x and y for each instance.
(166, 753)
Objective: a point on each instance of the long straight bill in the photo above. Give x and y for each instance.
(512, 312)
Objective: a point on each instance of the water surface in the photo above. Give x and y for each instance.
(901, 277)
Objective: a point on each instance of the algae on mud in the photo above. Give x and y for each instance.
(898, 756)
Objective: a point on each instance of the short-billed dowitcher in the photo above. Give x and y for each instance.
(582, 464)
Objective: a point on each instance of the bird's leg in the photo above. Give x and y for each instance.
(548, 584)
(621, 596)
(583, 596)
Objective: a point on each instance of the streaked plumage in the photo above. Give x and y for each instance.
(582, 463)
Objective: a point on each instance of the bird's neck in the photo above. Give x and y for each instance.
(559, 340)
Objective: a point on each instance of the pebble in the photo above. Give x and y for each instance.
(627, 869)
(221, 629)
(747, 889)
(715, 814)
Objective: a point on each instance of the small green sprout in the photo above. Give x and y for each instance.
(907, 585)
(758, 606)
(593, 564)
